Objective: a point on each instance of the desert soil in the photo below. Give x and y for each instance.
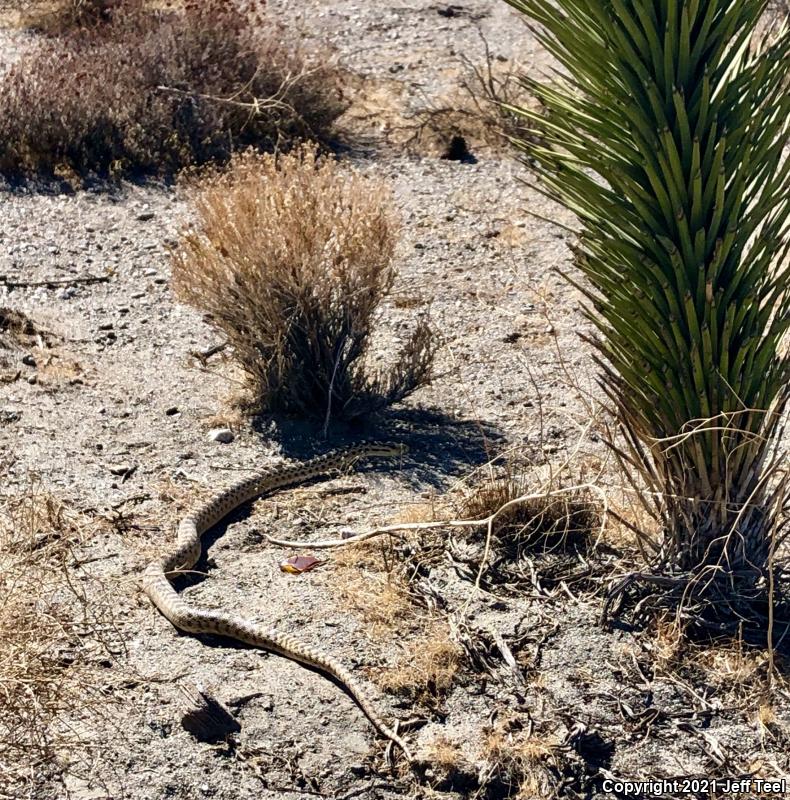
(111, 411)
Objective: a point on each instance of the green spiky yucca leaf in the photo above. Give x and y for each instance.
(664, 133)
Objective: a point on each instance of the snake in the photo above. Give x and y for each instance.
(188, 548)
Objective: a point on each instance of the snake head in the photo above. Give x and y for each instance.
(384, 449)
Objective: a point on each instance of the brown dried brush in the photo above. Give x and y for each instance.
(69, 15)
(53, 623)
(536, 524)
(291, 257)
(153, 90)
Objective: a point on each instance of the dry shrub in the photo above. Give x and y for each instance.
(381, 601)
(368, 579)
(548, 522)
(371, 581)
(291, 258)
(444, 753)
(426, 671)
(68, 15)
(737, 672)
(475, 109)
(152, 91)
(519, 760)
(52, 637)
(449, 769)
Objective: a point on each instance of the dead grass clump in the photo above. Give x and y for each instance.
(371, 579)
(444, 753)
(551, 522)
(518, 761)
(50, 632)
(291, 257)
(154, 90)
(380, 600)
(736, 671)
(426, 671)
(448, 768)
(56, 19)
(475, 112)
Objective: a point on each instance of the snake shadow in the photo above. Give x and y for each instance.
(440, 447)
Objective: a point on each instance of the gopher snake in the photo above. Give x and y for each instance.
(188, 548)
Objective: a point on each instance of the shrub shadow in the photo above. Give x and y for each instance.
(440, 448)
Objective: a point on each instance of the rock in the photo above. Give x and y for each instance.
(221, 435)
(172, 411)
(150, 272)
(67, 293)
(28, 360)
(145, 216)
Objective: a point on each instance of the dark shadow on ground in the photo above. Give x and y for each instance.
(440, 448)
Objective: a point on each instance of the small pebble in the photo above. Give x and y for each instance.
(172, 411)
(67, 293)
(221, 435)
(28, 360)
(145, 216)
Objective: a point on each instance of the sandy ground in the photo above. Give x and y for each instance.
(114, 417)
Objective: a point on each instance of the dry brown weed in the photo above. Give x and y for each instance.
(427, 667)
(291, 258)
(538, 524)
(56, 633)
(153, 90)
(516, 758)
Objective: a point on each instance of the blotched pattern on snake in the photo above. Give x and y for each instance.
(188, 548)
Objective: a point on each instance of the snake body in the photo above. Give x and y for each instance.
(188, 548)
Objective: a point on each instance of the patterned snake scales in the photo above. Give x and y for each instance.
(188, 548)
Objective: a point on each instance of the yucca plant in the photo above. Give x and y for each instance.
(664, 133)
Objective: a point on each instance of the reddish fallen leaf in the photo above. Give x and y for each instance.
(296, 565)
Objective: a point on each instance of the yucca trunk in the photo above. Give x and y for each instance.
(664, 133)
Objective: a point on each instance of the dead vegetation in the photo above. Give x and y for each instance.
(379, 581)
(554, 521)
(56, 635)
(474, 113)
(524, 526)
(478, 111)
(64, 16)
(190, 85)
(516, 760)
(426, 670)
(291, 258)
